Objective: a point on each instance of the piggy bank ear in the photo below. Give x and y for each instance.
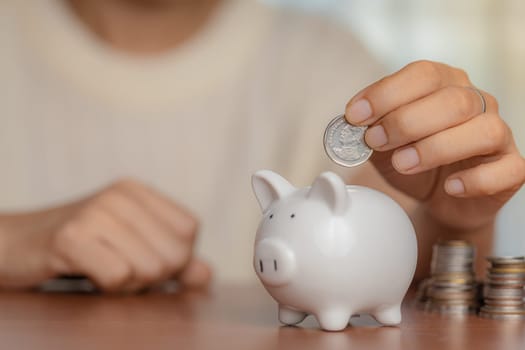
(269, 186)
(331, 189)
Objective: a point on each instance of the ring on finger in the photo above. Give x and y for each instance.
(482, 99)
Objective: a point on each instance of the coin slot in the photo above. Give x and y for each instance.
(275, 265)
(261, 266)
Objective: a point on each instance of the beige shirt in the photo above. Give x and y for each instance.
(254, 89)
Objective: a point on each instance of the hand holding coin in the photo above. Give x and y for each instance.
(439, 140)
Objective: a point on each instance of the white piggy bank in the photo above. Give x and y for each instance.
(332, 250)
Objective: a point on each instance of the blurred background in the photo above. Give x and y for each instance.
(484, 37)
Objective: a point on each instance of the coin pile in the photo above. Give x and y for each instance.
(504, 288)
(452, 287)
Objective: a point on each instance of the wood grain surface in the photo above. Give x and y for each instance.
(224, 317)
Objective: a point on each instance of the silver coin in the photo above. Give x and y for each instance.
(344, 143)
(507, 276)
(504, 293)
(503, 309)
(503, 302)
(451, 309)
(502, 316)
(500, 283)
(506, 259)
(451, 268)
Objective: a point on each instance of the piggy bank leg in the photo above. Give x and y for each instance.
(389, 316)
(333, 320)
(288, 316)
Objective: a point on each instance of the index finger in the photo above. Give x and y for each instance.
(414, 81)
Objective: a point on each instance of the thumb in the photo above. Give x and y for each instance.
(197, 273)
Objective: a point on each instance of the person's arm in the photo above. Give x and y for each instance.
(444, 148)
(124, 238)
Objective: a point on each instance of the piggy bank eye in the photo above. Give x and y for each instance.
(271, 216)
(292, 216)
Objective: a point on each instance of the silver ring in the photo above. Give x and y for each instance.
(483, 102)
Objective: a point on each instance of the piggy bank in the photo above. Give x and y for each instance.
(332, 250)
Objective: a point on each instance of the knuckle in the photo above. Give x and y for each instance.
(79, 227)
(482, 181)
(518, 170)
(125, 184)
(92, 215)
(429, 70)
(486, 191)
(462, 76)
(491, 101)
(423, 65)
(109, 198)
(404, 127)
(66, 236)
(385, 80)
(188, 229)
(496, 133)
(380, 86)
(521, 171)
(465, 100)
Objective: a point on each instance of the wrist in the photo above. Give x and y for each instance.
(24, 250)
(456, 228)
(431, 230)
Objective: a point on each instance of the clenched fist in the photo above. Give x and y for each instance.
(124, 238)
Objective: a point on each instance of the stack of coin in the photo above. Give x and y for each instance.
(452, 288)
(504, 288)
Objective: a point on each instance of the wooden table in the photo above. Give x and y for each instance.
(225, 317)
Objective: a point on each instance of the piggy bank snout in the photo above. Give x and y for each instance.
(274, 262)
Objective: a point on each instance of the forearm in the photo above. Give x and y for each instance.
(429, 231)
(25, 247)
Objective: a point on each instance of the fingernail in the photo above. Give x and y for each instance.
(376, 136)
(454, 186)
(359, 111)
(405, 159)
